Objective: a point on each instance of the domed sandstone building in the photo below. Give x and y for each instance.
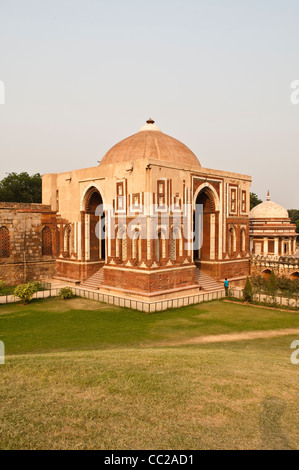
(273, 240)
(146, 191)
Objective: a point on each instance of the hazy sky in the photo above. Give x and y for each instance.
(81, 75)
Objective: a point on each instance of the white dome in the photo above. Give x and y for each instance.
(269, 210)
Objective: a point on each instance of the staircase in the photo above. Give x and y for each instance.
(207, 283)
(94, 281)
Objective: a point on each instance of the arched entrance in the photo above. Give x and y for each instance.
(97, 245)
(204, 223)
(295, 276)
(266, 273)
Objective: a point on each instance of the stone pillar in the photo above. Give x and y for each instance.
(266, 245)
(99, 238)
(212, 235)
(79, 241)
(61, 239)
(87, 237)
(75, 238)
(148, 241)
(82, 236)
(276, 246)
(108, 233)
(220, 225)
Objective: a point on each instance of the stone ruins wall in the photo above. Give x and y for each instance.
(25, 260)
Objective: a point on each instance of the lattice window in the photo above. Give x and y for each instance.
(47, 242)
(173, 247)
(4, 243)
(124, 247)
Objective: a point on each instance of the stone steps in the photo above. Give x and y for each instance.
(207, 283)
(94, 282)
(203, 280)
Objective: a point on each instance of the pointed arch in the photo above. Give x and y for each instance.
(232, 240)
(206, 204)
(136, 246)
(211, 194)
(121, 243)
(91, 201)
(176, 243)
(67, 241)
(243, 240)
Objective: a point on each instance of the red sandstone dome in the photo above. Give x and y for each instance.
(151, 144)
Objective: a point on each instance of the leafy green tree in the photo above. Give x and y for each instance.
(294, 216)
(248, 291)
(21, 188)
(254, 200)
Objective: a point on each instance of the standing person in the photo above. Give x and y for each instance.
(226, 286)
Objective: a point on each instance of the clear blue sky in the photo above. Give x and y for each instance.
(82, 75)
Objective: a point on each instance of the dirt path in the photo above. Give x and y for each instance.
(232, 337)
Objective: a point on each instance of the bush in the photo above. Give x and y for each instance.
(26, 291)
(66, 293)
(2, 287)
(248, 291)
(273, 284)
(259, 283)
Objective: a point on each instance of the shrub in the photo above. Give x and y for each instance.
(26, 291)
(2, 286)
(272, 284)
(284, 284)
(66, 293)
(248, 291)
(259, 283)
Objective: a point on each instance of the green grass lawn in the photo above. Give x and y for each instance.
(82, 375)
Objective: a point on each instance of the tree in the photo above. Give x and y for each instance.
(21, 188)
(254, 200)
(294, 216)
(272, 284)
(248, 291)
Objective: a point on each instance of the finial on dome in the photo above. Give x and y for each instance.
(150, 126)
(268, 196)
